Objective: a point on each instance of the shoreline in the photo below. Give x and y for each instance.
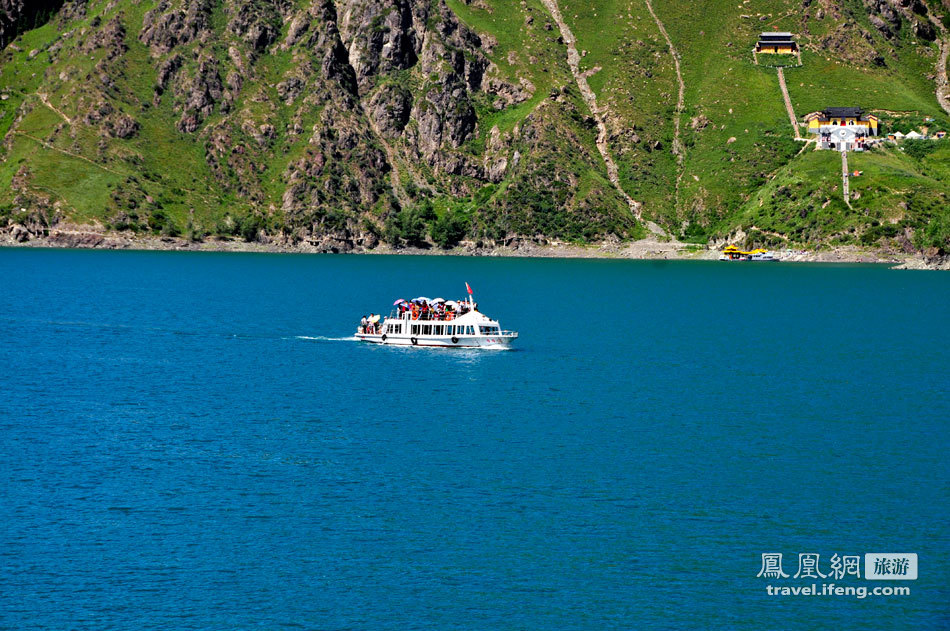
(83, 237)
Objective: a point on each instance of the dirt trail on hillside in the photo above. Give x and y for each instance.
(394, 175)
(45, 100)
(574, 60)
(943, 87)
(680, 102)
(681, 99)
(845, 180)
(68, 153)
(788, 103)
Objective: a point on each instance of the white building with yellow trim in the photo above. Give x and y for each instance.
(843, 128)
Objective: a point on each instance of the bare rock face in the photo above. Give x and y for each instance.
(110, 37)
(854, 43)
(382, 36)
(124, 126)
(391, 36)
(884, 17)
(289, 89)
(167, 26)
(98, 112)
(202, 92)
(699, 122)
(165, 71)
(925, 30)
(887, 17)
(75, 239)
(391, 108)
(506, 93)
(257, 23)
(882, 26)
(20, 234)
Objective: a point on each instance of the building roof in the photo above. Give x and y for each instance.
(843, 112)
(777, 39)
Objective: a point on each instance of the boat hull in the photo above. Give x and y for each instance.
(439, 341)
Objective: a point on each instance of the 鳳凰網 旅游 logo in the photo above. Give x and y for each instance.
(890, 566)
(847, 568)
(878, 566)
(838, 566)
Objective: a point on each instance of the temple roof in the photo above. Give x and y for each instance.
(843, 112)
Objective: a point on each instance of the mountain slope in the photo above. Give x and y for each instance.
(343, 123)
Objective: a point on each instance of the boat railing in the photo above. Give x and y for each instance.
(397, 316)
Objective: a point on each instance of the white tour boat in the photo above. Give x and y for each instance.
(448, 324)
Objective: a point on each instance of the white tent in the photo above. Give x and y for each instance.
(913, 135)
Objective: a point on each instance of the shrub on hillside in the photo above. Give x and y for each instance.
(449, 229)
(918, 148)
(410, 225)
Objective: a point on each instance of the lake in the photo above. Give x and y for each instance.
(193, 441)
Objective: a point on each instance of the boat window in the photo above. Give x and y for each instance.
(470, 330)
(415, 329)
(395, 329)
(489, 330)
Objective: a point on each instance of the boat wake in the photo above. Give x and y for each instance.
(324, 338)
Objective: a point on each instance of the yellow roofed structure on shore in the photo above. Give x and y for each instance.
(732, 253)
(731, 249)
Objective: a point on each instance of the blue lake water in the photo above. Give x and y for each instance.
(188, 440)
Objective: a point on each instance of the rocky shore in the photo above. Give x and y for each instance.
(92, 237)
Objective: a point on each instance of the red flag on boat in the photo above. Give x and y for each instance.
(468, 288)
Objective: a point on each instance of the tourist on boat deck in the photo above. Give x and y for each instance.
(363, 324)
